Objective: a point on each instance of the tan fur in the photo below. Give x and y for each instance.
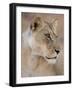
(36, 63)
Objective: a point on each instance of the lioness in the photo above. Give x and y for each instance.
(40, 48)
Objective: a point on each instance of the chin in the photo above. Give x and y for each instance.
(51, 61)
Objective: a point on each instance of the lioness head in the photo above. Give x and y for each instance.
(44, 39)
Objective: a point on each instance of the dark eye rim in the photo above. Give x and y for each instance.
(48, 36)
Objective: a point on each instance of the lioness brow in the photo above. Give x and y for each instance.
(50, 26)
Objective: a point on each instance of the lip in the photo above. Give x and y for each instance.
(51, 57)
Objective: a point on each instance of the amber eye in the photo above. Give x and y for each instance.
(47, 35)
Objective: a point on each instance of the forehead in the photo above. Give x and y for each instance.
(40, 31)
(44, 29)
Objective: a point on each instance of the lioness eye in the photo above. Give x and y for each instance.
(30, 26)
(48, 36)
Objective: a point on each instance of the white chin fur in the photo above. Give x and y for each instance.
(51, 61)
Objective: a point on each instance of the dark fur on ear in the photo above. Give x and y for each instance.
(36, 23)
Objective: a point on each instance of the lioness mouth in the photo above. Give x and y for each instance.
(51, 57)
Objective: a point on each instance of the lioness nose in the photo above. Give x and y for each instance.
(57, 51)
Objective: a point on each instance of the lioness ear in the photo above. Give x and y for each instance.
(54, 25)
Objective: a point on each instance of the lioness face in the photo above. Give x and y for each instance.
(44, 39)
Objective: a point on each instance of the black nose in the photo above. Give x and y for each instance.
(57, 51)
